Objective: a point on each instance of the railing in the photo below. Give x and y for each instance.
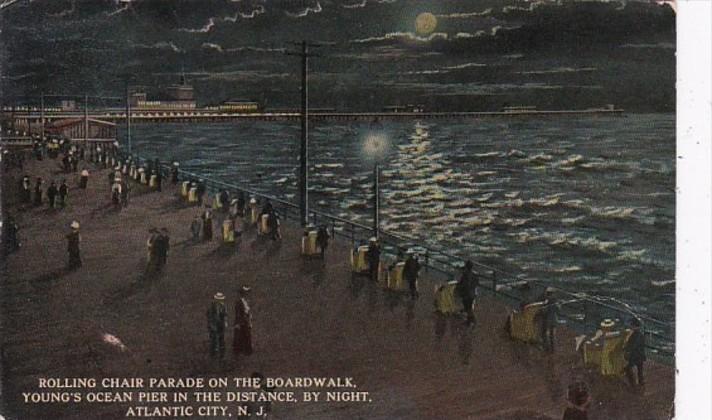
(582, 311)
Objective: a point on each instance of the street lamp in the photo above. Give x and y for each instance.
(375, 148)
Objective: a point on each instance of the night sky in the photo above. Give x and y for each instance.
(481, 55)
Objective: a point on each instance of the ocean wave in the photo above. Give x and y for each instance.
(484, 197)
(479, 220)
(487, 155)
(558, 70)
(162, 45)
(569, 269)
(662, 283)
(571, 160)
(572, 220)
(538, 158)
(329, 165)
(565, 240)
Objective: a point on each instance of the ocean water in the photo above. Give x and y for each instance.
(584, 202)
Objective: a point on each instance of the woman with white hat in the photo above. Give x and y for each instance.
(73, 239)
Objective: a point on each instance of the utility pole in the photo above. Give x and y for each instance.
(128, 117)
(42, 118)
(376, 202)
(86, 120)
(304, 147)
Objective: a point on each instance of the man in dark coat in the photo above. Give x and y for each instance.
(207, 225)
(73, 240)
(163, 246)
(195, 228)
(634, 351)
(200, 190)
(9, 235)
(38, 192)
(159, 178)
(63, 192)
(242, 333)
(410, 273)
(549, 319)
(26, 190)
(322, 240)
(266, 209)
(579, 400)
(467, 290)
(52, 193)
(373, 255)
(174, 173)
(65, 163)
(273, 225)
(241, 203)
(224, 199)
(217, 322)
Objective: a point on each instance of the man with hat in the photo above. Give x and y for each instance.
(174, 173)
(207, 225)
(634, 352)
(373, 255)
(73, 239)
(200, 190)
(26, 191)
(242, 333)
(467, 290)
(410, 272)
(217, 322)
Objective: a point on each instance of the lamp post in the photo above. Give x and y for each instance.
(375, 148)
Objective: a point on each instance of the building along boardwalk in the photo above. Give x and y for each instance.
(308, 320)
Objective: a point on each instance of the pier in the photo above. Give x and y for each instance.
(198, 115)
(309, 320)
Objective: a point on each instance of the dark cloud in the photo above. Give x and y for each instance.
(88, 44)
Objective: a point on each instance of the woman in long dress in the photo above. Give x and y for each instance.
(242, 333)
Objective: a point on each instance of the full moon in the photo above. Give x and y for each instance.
(425, 23)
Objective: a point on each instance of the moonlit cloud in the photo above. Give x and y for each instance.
(205, 29)
(305, 12)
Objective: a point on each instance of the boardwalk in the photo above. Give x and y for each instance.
(309, 321)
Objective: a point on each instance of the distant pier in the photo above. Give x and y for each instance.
(201, 116)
